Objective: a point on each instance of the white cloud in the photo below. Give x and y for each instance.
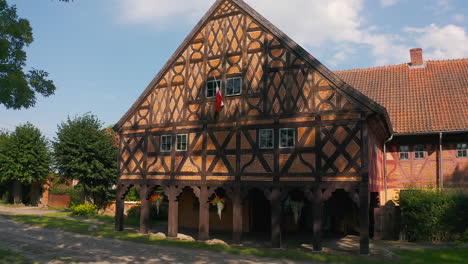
(448, 42)
(387, 3)
(335, 24)
(161, 12)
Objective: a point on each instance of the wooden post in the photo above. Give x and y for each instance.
(119, 211)
(144, 210)
(237, 217)
(318, 215)
(364, 218)
(173, 217)
(275, 201)
(204, 215)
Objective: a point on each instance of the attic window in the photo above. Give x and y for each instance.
(181, 142)
(233, 86)
(266, 138)
(211, 88)
(419, 152)
(404, 153)
(462, 150)
(166, 143)
(287, 137)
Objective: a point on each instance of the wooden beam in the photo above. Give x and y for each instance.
(318, 215)
(144, 209)
(173, 216)
(275, 217)
(119, 210)
(237, 216)
(204, 215)
(364, 218)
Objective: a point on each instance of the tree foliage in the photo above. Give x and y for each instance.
(18, 88)
(87, 152)
(24, 155)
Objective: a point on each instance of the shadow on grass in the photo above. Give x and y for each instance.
(7, 257)
(425, 256)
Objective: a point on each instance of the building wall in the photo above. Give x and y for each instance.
(376, 163)
(280, 89)
(423, 173)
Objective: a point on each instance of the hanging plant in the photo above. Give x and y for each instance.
(219, 203)
(296, 208)
(156, 199)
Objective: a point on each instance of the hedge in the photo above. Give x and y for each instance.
(433, 215)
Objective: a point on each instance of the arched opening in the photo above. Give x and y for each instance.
(158, 209)
(341, 215)
(188, 211)
(220, 218)
(258, 222)
(297, 215)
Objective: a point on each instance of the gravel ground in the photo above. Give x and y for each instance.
(52, 246)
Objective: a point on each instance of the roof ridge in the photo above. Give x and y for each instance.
(399, 65)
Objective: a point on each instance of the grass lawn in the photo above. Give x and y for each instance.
(7, 257)
(130, 221)
(424, 256)
(446, 256)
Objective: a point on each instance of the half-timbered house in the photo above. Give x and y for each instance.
(290, 131)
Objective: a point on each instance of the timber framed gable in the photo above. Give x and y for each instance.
(280, 79)
(282, 87)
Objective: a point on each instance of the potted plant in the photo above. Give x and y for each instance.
(296, 208)
(156, 199)
(219, 203)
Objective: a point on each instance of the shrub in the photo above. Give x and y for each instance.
(84, 210)
(431, 215)
(134, 212)
(132, 195)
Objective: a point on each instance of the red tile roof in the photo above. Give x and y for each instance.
(429, 99)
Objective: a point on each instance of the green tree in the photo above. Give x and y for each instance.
(25, 159)
(87, 152)
(18, 88)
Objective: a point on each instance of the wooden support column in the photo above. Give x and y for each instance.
(318, 215)
(275, 200)
(144, 209)
(204, 215)
(237, 217)
(173, 217)
(119, 210)
(364, 218)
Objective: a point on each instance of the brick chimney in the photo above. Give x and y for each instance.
(416, 57)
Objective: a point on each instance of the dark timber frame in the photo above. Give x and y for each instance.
(332, 122)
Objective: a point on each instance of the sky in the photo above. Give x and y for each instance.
(102, 54)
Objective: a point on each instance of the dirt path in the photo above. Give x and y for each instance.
(25, 210)
(52, 246)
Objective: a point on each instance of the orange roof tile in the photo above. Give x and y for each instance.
(428, 99)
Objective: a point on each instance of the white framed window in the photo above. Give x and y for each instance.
(266, 139)
(211, 88)
(233, 86)
(462, 150)
(166, 143)
(419, 152)
(181, 142)
(404, 152)
(287, 137)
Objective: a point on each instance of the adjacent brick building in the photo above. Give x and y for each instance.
(427, 102)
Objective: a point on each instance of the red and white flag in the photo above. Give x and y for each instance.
(219, 98)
